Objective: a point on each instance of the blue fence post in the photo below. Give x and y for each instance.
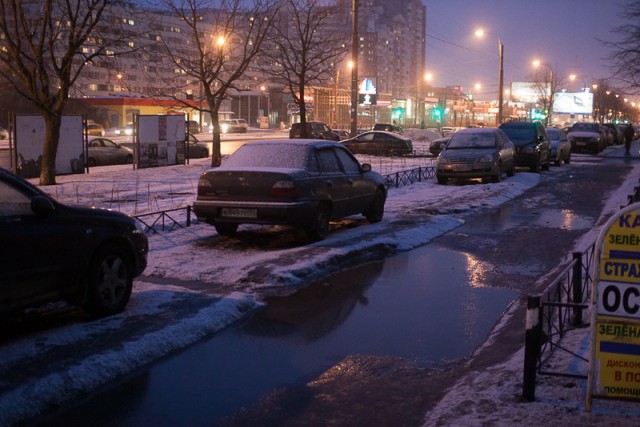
(531, 348)
(576, 284)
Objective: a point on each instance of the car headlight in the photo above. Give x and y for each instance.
(224, 128)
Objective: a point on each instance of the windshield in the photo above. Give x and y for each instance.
(584, 127)
(472, 140)
(269, 155)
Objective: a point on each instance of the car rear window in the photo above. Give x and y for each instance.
(520, 134)
(269, 155)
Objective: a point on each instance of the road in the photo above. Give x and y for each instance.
(510, 247)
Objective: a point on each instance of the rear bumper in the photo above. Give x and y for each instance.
(291, 213)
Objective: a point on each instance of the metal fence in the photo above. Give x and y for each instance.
(557, 311)
(406, 177)
(171, 219)
(155, 222)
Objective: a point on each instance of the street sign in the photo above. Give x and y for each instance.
(614, 370)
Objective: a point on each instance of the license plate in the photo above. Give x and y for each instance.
(239, 213)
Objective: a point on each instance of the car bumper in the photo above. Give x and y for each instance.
(527, 159)
(476, 170)
(284, 213)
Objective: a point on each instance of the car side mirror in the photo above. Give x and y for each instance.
(41, 205)
(366, 167)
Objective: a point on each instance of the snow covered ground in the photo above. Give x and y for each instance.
(223, 278)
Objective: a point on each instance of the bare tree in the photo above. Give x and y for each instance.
(304, 47)
(42, 56)
(547, 81)
(224, 37)
(625, 56)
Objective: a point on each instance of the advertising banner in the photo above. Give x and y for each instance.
(29, 145)
(573, 103)
(615, 336)
(161, 140)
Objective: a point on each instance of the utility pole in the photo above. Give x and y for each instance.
(354, 71)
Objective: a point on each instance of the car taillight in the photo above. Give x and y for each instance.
(283, 189)
(204, 186)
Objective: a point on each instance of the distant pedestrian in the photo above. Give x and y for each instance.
(629, 133)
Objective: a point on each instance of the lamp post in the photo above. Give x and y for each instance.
(480, 33)
(354, 70)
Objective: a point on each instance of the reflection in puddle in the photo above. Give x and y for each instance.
(427, 305)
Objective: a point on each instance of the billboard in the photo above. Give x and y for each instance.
(367, 92)
(614, 370)
(529, 92)
(29, 140)
(573, 103)
(161, 140)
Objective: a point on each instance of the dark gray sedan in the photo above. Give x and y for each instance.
(304, 183)
(379, 143)
(476, 153)
(103, 151)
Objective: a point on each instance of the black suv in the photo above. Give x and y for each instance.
(315, 130)
(533, 148)
(51, 251)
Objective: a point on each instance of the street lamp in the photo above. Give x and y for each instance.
(480, 33)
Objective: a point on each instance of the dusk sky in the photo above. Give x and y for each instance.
(561, 33)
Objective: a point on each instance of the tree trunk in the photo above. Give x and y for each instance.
(216, 156)
(52, 124)
(303, 114)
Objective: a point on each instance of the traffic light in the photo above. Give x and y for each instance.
(437, 112)
(397, 113)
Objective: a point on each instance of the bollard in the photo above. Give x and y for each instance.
(576, 285)
(531, 348)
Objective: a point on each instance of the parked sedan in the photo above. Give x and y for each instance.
(197, 149)
(560, 146)
(437, 145)
(304, 183)
(379, 143)
(103, 151)
(476, 153)
(587, 136)
(51, 251)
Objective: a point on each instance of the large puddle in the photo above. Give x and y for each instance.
(427, 305)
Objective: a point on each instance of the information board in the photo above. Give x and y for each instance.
(615, 336)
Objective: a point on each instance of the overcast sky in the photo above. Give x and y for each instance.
(562, 33)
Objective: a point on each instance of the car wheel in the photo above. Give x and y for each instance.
(319, 228)
(546, 165)
(226, 229)
(92, 161)
(442, 180)
(110, 282)
(128, 160)
(536, 167)
(512, 170)
(498, 177)
(376, 210)
(568, 159)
